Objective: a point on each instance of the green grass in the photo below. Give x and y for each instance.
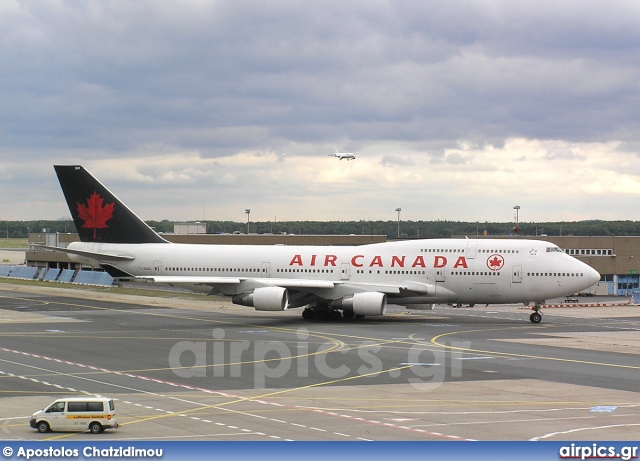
(14, 243)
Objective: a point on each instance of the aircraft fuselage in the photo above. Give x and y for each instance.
(444, 270)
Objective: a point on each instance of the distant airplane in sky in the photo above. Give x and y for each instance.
(343, 155)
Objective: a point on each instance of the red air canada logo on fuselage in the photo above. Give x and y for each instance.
(94, 214)
(495, 262)
(378, 261)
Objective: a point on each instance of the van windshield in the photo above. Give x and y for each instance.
(57, 407)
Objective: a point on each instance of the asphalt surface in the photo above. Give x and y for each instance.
(209, 370)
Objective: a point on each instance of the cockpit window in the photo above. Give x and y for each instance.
(550, 249)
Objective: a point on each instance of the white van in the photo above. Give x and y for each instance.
(76, 414)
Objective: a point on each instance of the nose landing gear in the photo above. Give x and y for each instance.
(536, 316)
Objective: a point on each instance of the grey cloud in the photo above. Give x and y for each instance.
(631, 147)
(86, 80)
(391, 160)
(564, 154)
(117, 75)
(455, 158)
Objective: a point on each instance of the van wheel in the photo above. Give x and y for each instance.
(43, 427)
(95, 428)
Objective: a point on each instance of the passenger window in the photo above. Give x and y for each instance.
(95, 406)
(77, 406)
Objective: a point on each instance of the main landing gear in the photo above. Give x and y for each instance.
(319, 313)
(325, 313)
(536, 317)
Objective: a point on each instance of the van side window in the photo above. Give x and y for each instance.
(57, 407)
(112, 407)
(77, 406)
(95, 406)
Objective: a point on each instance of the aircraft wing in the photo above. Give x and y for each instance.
(399, 289)
(213, 281)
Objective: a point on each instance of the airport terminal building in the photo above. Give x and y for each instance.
(617, 259)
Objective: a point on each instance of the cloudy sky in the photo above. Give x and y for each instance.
(191, 110)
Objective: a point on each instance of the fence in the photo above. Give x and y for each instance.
(79, 277)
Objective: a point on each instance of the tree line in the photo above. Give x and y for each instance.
(408, 229)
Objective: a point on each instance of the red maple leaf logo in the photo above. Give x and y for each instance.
(94, 214)
(495, 262)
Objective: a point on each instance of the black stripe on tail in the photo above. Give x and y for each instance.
(98, 214)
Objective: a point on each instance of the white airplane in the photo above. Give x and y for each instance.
(329, 282)
(343, 155)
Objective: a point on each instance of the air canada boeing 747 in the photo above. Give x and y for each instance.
(327, 282)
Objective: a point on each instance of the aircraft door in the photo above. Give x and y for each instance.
(517, 274)
(157, 268)
(472, 248)
(440, 274)
(265, 272)
(345, 272)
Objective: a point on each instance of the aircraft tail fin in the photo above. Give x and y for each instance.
(98, 214)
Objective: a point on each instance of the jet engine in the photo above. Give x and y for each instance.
(264, 299)
(369, 303)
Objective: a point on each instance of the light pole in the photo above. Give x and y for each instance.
(248, 211)
(517, 228)
(398, 210)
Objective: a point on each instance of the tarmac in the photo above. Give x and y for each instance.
(204, 369)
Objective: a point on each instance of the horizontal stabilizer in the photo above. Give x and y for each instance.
(89, 254)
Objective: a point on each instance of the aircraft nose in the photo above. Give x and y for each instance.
(594, 275)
